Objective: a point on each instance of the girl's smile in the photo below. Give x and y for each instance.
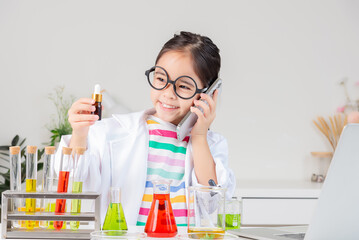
(167, 107)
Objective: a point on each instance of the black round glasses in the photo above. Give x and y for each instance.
(184, 87)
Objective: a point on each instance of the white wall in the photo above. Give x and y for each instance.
(282, 61)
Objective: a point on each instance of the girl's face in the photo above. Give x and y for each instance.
(169, 107)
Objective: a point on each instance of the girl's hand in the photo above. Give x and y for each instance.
(206, 117)
(80, 116)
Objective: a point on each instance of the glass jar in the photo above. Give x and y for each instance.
(204, 207)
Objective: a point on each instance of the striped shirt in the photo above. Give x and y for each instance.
(166, 160)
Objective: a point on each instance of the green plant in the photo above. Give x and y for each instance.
(5, 164)
(60, 125)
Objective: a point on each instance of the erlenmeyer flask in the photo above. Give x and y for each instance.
(115, 218)
(161, 221)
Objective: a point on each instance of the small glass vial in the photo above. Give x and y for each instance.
(233, 213)
(97, 96)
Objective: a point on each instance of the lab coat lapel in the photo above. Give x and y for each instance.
(130, 155)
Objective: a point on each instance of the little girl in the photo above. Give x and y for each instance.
(139, 147)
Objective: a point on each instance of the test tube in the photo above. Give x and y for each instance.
(31, 176)
(47, 181)
(64, 173)
(15, 178)
(78, 178)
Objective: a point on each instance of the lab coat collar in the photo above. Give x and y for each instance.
(133, 120)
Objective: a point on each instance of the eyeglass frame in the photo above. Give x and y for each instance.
(173, 82)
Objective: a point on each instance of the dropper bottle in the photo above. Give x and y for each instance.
(97, 96)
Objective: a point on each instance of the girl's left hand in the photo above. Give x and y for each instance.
(206, 117)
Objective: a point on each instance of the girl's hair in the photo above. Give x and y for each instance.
(205, 54)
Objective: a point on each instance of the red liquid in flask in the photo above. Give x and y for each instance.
(61, 203)
(161, 221)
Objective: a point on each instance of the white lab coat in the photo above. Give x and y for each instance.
(124, 138)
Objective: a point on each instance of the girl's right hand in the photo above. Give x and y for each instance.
(80, 116)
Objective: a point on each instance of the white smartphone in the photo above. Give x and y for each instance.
(187, 123)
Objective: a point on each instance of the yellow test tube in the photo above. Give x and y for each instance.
(31, 176)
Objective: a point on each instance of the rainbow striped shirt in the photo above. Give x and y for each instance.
(166, 160)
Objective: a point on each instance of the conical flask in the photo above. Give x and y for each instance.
(115, 218)
(161, 222)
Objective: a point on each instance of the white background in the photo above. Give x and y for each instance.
(281, 64)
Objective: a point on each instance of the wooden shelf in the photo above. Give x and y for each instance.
(322, 154)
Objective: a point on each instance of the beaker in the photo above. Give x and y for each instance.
(115, 217)
(204, 205)
(64, 173)
(161, 221)
(78, 178)
(232, 213)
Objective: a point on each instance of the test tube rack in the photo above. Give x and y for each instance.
(9, 232)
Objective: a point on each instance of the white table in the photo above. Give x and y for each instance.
(141, 229)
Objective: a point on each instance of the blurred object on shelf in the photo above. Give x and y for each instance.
(322, 154)
(332, 128)
(349, 105)
(323, 160)
(317, 178)
(353, 117)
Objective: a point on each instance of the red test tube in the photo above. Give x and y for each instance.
(64, 173)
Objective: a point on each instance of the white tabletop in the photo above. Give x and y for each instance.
(181, 230)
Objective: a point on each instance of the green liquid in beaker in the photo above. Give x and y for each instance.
(115, 218)
(76, 204)
(233, 221)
